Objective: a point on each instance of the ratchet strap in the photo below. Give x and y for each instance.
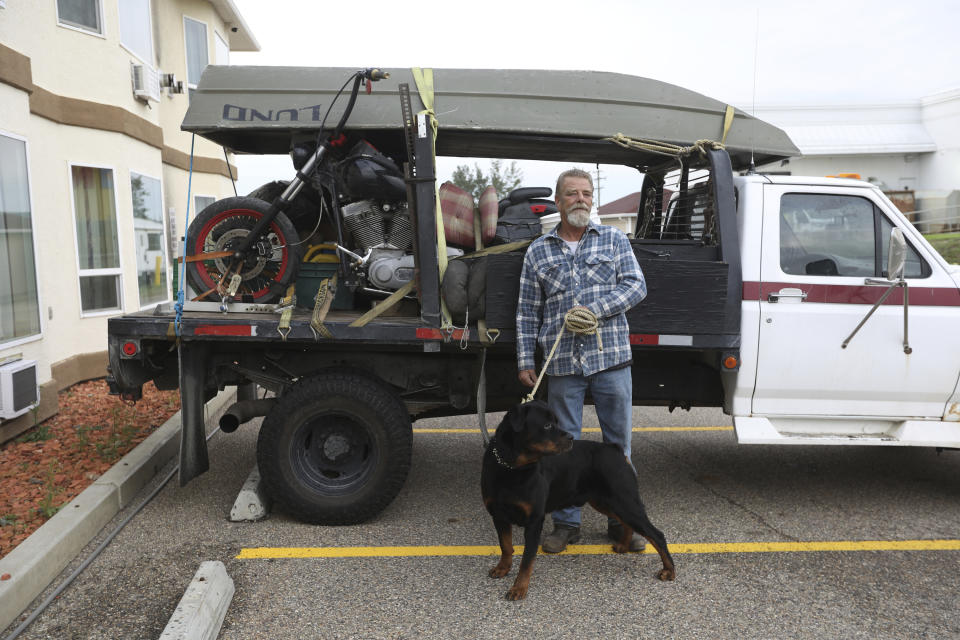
(286, 307)
(321, 306)
(394, 298)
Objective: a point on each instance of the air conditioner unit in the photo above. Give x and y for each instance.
(18, 388)
(146, 82)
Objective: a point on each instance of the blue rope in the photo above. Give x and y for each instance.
(183, 253)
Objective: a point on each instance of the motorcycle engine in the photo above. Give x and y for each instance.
(379, 224)
(383, 231)
(390, 269)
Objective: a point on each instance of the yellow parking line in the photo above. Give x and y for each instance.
(264, 553)
(585, 429)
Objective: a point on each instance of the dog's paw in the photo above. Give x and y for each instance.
(667, 574)
(621, 548)
(499, 571)
(517, 593)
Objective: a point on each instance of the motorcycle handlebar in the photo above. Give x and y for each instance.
(373, 74)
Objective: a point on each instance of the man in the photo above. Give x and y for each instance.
(581, 264)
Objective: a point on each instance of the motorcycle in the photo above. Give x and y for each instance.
(250, 247)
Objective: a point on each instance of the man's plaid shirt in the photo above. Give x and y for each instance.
(603, 276)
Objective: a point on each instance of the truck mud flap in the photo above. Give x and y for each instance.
(194, 459)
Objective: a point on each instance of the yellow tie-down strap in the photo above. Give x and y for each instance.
(727, 121)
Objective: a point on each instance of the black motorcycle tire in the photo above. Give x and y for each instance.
(220, 227)
(336, 448)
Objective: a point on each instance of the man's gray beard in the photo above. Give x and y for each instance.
(579, 218)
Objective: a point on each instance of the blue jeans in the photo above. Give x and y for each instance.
(612, 393)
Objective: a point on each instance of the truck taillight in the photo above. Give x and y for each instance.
(731, 362)
(130, 348)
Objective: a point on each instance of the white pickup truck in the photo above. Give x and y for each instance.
(758, 285)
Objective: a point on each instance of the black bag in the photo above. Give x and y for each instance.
(367, 173)
(520, 214)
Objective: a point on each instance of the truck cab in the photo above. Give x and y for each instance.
(814, 259)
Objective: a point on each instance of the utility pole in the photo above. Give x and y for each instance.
(597, 187)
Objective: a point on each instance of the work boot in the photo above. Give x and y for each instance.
(615, 532)
(563, 534)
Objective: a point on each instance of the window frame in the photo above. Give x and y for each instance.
(112, 271)
(217, 39)
(164, 243)
(36, 262)
(82, 29)
(127, 48)
(186, 52)
(196, 209)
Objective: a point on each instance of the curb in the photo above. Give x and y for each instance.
(201, 610)
(39, 559)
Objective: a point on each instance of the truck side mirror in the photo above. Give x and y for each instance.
(897, 255)
(896, 260)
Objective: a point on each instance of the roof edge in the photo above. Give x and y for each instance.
(241, 36)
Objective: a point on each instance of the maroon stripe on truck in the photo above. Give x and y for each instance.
(856, 294)
(437, 334)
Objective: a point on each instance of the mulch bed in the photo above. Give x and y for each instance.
(50, 464)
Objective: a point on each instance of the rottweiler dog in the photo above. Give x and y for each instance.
(532, 467)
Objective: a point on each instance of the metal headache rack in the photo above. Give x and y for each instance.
(684, 210)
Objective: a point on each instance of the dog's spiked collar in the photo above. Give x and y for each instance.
(496, 455)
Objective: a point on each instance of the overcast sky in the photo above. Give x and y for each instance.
(806, 52)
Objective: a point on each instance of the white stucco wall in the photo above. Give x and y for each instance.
(941, 116)
(898, 171)
(70, 63)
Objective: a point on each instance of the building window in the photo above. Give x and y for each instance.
(195, 34)
(81, 14)
(19, 303)
(148, 230)
(98, 253)
(136, 33)
(202, 202)
(222, 53)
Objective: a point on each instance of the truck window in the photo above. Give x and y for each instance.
(837, 235)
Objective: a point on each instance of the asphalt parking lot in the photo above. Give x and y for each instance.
(720, 504)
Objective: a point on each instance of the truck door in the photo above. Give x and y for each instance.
(819, 246)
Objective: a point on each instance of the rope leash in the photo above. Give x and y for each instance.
(578, 320)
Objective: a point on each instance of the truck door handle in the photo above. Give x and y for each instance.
(787, 292)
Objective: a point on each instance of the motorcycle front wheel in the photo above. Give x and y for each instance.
(271, 264)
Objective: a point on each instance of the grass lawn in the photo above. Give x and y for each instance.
(948, 244)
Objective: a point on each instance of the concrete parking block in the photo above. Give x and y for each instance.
(200, 612)
(252, 503)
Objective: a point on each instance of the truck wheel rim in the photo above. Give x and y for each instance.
(334, 453)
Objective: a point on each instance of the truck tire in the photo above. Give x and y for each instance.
(221, 227)
(335, 450)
